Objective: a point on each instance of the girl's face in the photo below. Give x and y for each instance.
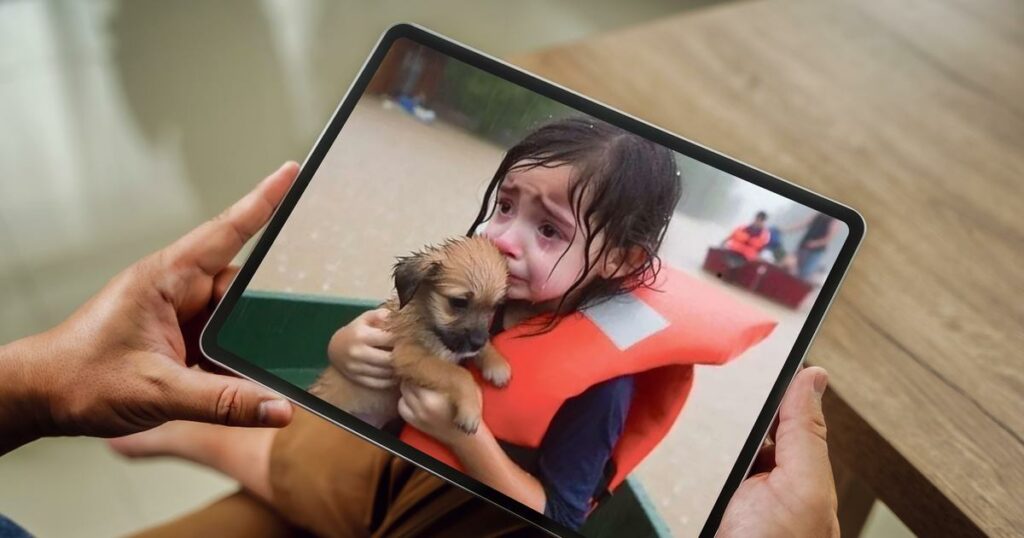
(533, 226)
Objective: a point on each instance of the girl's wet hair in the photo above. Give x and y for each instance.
(623, 185)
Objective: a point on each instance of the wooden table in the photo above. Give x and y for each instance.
(911, 111)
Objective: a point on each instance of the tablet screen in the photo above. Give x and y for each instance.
(651, 303)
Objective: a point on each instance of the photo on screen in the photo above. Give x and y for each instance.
(651, 299)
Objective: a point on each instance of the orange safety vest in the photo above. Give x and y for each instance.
(657, 335)
(747, 244)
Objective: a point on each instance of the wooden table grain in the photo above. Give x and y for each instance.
(913, 113)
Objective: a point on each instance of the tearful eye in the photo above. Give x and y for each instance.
(458, 303)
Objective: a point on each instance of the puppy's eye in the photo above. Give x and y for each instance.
(458, 303)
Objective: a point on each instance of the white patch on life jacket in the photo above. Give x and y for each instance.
(626, 320)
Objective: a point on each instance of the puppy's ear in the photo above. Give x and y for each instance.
(410, 273)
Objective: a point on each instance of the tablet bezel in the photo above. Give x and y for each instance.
(422, 36)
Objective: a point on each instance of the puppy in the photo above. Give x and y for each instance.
(445, 302)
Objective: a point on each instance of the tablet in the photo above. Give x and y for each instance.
(660, 296)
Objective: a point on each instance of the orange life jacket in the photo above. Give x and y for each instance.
(747, 244)
(657, 335)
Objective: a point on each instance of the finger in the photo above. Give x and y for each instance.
(222, 282)
(434, 401)
(204, 397)
(378, 338)
(376, 383)
(411, 395)
(410, 400)
(213, 245)
(194, 322)
(376, 317)
(374, 356)
(424, 401)
(405, 412)
(407, 391)
(800, 440)
(370, 370)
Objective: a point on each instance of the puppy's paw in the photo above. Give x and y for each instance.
(468, 422)
(499, 375)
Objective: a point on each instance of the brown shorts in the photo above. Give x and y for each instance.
(331, 483)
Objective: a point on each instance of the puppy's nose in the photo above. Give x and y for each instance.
(477, 338)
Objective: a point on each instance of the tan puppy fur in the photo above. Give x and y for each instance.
(441, 315)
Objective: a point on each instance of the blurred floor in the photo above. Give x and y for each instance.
(122, 125)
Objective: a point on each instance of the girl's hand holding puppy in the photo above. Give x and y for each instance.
(361, 351)
(430, 412)
(480, 454)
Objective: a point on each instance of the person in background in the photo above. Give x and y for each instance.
(749, 240)
(821, 229)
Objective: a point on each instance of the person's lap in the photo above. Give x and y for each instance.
(332, 483)
(238, 514)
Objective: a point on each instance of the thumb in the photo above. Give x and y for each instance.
(800, 440)
(219, 399)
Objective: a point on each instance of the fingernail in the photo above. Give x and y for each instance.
(267, 408)
(820, 383)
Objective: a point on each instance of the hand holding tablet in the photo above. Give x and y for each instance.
(120, 363)
(790, 490)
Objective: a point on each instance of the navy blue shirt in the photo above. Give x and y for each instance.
(574, 454)
(571, 460)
